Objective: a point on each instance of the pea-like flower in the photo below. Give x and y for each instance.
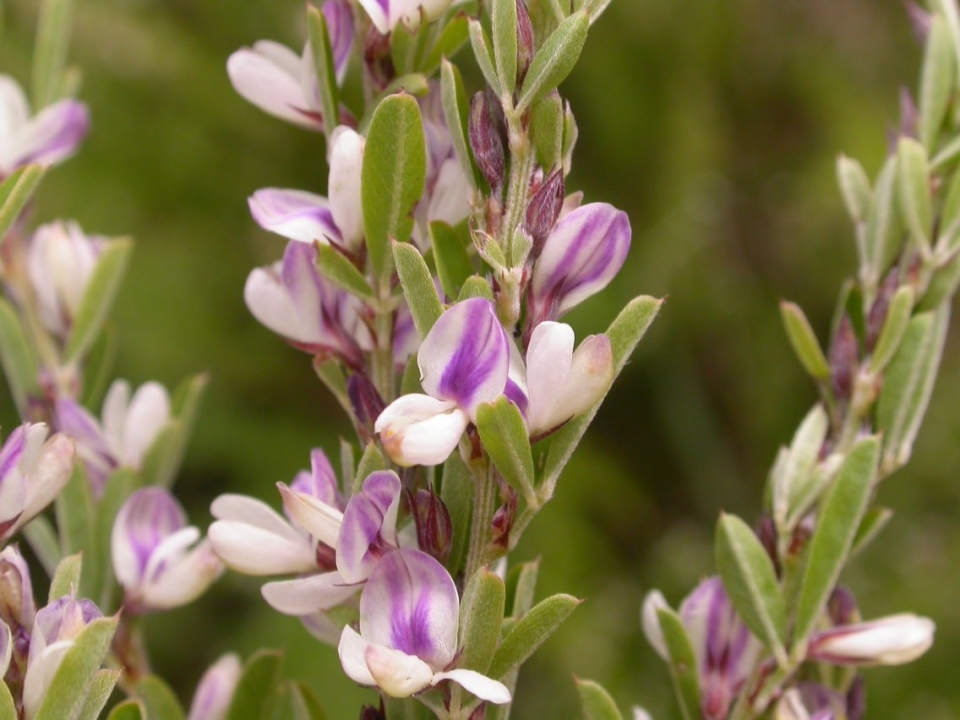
(464, 361)
(215, 690)
(152, 556)
(892, 640)
(409, 618)
(47, 138)
(33, 471)
(386, 14)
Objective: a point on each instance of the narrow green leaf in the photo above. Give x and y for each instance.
(341, 272)
(129, 710)
(546, 125)
(50, 53)
(943, 284)
(596, 702)
(371, 461)
(98, 297)
(74, 509)
(15, 191)
(406, 47)
(596, 8)
(894, 327)
(456, 112)
(625, 332)
(475, 286)
(839, 518)
(799, 463)
(530, 632)
(481, 50)
(410, 382)
(683, 663)
(73, 680)
(521, 587)
(418, 287)
(481, 615)
(98, 368)
(454, 36)
(411, 84)
(884, 225)
(254, 695)
(873, 523)
(503, 23)
(392, 178)
(570, 134)
(751, 582)
(809, 491)
(451, 257)
(855, 188)
(19, 362)
(916, 207)
(555, 59)
(304, 704)
(456, 491)
(8, 708)
(66, 579)
(44, 542)
(158, 699)
(936, 81)
(331, 374)
(100, 690)
(804, 341)
(323, 63)
(504, 436)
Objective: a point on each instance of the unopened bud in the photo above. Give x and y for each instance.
(525, 41)
(878, 311)
(434, 527)
(842, 607)
(920, 21)
(843, 359)
(543, 211)
(368, 712)
(503, 518)
(891, 640)
(909, 116)
(767, 532)
(486, 140)
(857, 699)
(17, 607)
(365, 400)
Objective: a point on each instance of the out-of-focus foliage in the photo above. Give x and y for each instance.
(715, 125)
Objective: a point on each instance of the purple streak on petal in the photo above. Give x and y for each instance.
(364, 520)
(320, 482)
(149, 516)
(516, 395)
(64, 617)
(385, 6)
(54, 134)
(340, 26)
(294, 214)
(11, 451)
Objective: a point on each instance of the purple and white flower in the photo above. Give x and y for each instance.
(33, 471)
(60, 261)
(129, 427)
(892, 640)
(464, 361)
(215, 690)
(385, 14)
(47, 138)
(582, 254)
(159, 560)
(726, 650)
(17, 605)
(280, 82)
(409, 619)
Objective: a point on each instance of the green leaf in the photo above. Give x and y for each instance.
(481, 615)
(799, 463)
(8, 708)
(371, 461)
(625, 332)
(451, 257)
(304, 703)
(555, 59)
(74, 508)
(570, 135)
(407, 47)
(894, 327)
(98, 297)
(325, 69)
(15, 191)
(129, 710)
(453, 37)
(855, 188)
(254, 696)
(456, 113)
(596, 8)
(74, 678)
(530, 632)
(411, 84)
(50, 53)
(341, 272)
(475, 286)
(521, 586)
(331, 374)
(942, 285)
(884, 225)
(546, 125)
(158, 699)
(66, 580)
(596, 702)
(839, 518)
(98, 368)
(44, 542)
(916, 207)
(418, 287)
(456, 491)
(804, 341)
(751, 582)
(19, 361)
(481, 50)
(683, 663)
(936, 81)
(504, 436)
(908, 385)
(392, 178)
(100, 690)
(410, 382)
(873, 523)
(503, 22)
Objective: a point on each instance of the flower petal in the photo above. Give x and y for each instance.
(398, 674)
(352, 651)
(892, 640)
(368, 522)
(340, 26)
(147, 414)
(319, 519)
(346, 159)
(255, 551)
(420, 430)
(268, 76)
(50, 137)
(211, 700)
(308, 595)
(650, 622)
(480, 685)
(294, 214)
(183, 579)
(48, 476)
(549, 356)
(147, 518)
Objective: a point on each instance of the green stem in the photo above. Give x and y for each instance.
(382, 357)
(481, 528)
(518, 187)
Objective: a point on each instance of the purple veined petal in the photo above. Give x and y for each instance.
(294, 214)
(650, 622)
(369, 524)
(176, 576)
(352, 652)
(405, 339)
(549, 357)
(580, 257)
(465, 357)
(92, 446)
(47, 476)
(253, 550)
(346, 161)
(268, 76)
(146, 415)
(321, 520)
(148, 517)
(13, 486)
(420, 430)
(410, 603)
(892, 640)
(516, 388)
(50, 137)
(480, 685)
(340, 27)
(308, 595)
(211, 700)
(397, 673)
(321, 482)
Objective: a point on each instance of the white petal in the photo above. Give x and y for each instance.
(115, 415)
(480, 685)
(396, 673)
(379, 19)
(255, 551)
(549, 356)
(294, 214)
(244, 509)
(183, 580)
(40, 672)
(651, 623)
(308, 595)
(211, 700)
(14, 108)
(346, 160)
(51, 473)
(352, 651)
(319, 519)
(420, 430)
(148, 412)
(271, 304)
(268, 77)
(450, 200)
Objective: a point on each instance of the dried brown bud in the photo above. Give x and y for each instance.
(365, 400)
(543, 211)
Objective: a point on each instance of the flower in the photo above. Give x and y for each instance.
(130, 426)
(385, 14)
(464, 361)
(211, 700)
(726, 650)
(409, 619)
(33, 471)
(47, 138)
(60, 261)
(892, 640)
(149, 544)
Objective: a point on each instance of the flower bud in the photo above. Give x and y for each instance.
(385, 14)
(878, 310)
(525, 41)
(843, 359)
(433, 523)
(215, 689)
(920, 21)
(909, 118)
(365, 400)
(17, 607)
(892, 640)
(486, 139)
(842, 607)
(504, 517)
(543, 211)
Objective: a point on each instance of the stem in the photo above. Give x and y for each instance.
(481, 528)
(382, 356)
(131, 653)
(518, 187)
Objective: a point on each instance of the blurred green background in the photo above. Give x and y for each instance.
(715, 124)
